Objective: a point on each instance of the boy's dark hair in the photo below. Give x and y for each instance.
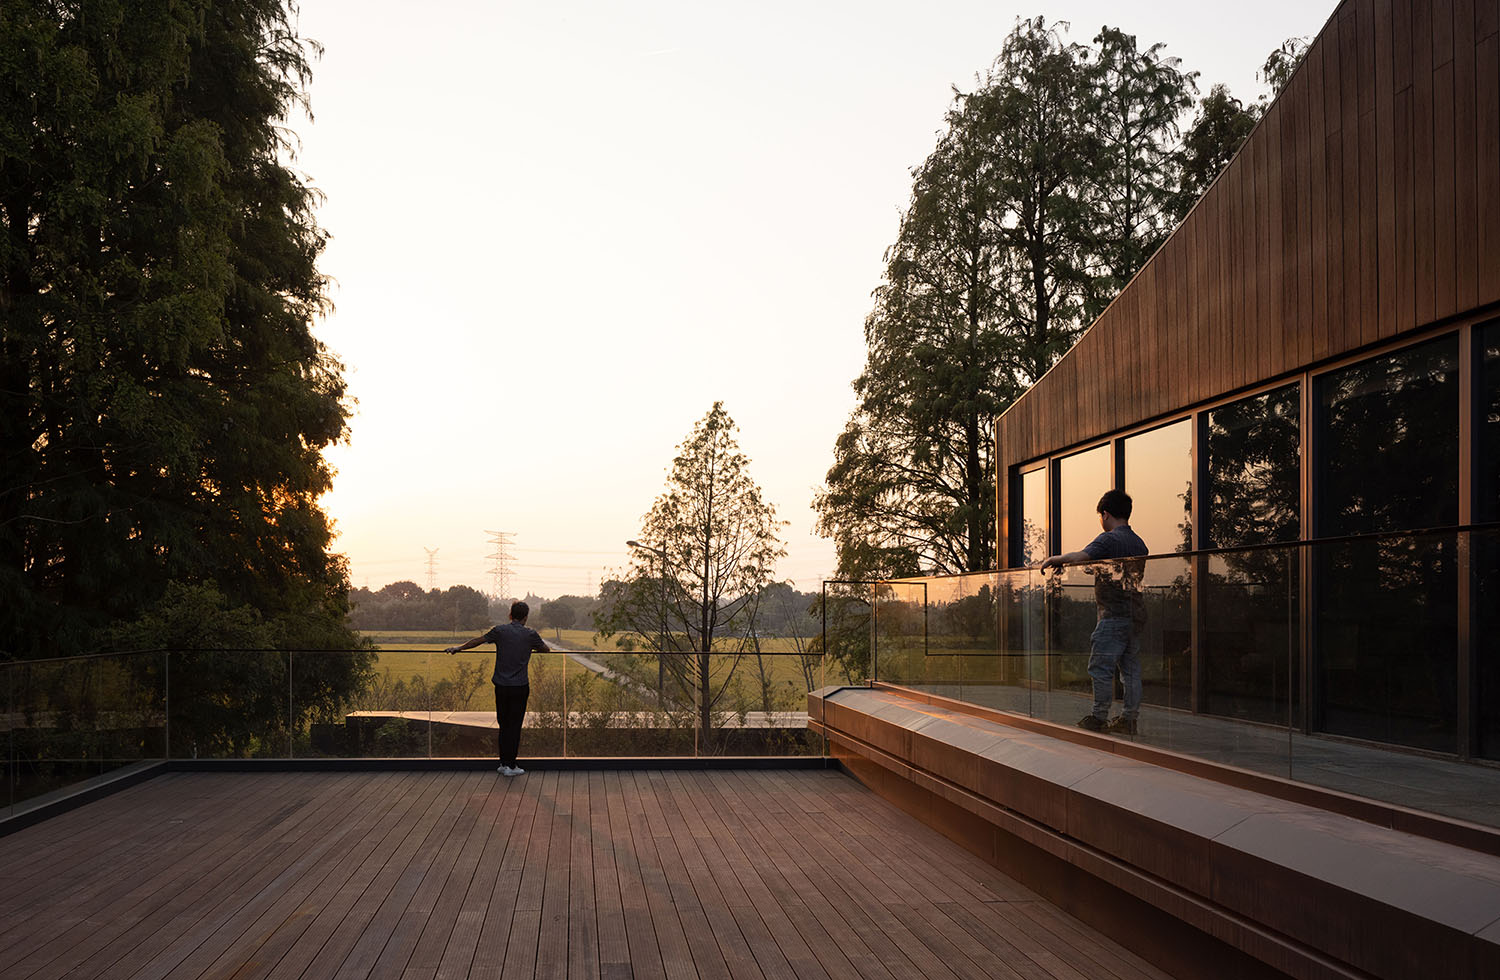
(1117, 504)
(519, 610)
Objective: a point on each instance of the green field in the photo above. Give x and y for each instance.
(412, 661)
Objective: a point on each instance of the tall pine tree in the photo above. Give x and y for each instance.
(164, 404)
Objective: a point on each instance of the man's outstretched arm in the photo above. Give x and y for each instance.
(472, 643)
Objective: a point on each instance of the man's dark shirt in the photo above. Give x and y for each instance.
(1117, 586)
(514, 644)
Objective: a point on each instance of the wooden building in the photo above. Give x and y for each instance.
(1310, 368)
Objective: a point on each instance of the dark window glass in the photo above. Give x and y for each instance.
(1082, 480)
(1249, 634)
(1486, 544)
(1387, 631)
(1159, 479)
(1488, 468)
(1254, 481)
(1388, 442)
(1485, 555)
(1031, 529)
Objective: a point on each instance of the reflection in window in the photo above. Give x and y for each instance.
(1159, 479)
(1254, 484)
(1388, 608)
(1388, 441)
(1081, 480)
(1031, 534)
(1387, 632)
(1486, 544)
(1488, 383)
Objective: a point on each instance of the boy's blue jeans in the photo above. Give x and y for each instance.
(1115, 643)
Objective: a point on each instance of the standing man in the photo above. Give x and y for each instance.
(514, 644)
(1116, 641)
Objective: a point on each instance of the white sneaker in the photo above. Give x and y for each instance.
(517, 771)
(510, 770)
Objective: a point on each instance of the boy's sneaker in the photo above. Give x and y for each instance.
(1122, 726)
(1091, 723)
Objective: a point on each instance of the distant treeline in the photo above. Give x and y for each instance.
(782, 611)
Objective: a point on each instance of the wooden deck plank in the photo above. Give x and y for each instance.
(798, 926)
(320, 915)
(234, 877)
(499, 891)
(552, 942)
(148, 863)
(405, 939)
(644, 953)
(581, 874)
(362, 900)
(671, 937)
(583, 922)
(1092, 957)
(608, 907)
(446, 913)
(265, 940)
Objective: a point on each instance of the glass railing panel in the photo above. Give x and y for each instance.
(760, 707)
(1484, 552)
(900, 635)
(131, 724)
(389, 716)
(614, 708)
(461, 704)
(544, 732)
(963, 635)
(228, 704)
(7, 743)
(327, 687)
(76, 719)
(849, 629)
(1066, 691)
(1249, 658)
(1386, 639)
(1165, 639)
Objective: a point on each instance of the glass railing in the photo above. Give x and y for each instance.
(1302, 661)
(70, 720)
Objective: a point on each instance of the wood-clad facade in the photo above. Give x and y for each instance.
(1310, 366)
(1363, 209)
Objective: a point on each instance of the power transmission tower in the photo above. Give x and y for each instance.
(500, 564)
(432, 567)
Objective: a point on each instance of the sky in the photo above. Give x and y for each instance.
(561, 231)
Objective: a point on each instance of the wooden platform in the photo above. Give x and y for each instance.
(554, 874)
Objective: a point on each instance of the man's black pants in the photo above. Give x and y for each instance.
(510, 711)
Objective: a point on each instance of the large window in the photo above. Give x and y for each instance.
(1387, 611)
(1031, 526)
(1254, 480)
(1081, 480)
(1159, 479)
(1388, 442)
(1485, 548)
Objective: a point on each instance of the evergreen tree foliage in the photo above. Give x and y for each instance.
(163, 402)
(1140, 95)
(1046, 191)
(1221, 125)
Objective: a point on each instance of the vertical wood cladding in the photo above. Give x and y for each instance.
(1365, 204)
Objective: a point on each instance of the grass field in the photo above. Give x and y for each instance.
(416, 656)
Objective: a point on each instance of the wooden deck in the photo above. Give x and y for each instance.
(554, 874)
